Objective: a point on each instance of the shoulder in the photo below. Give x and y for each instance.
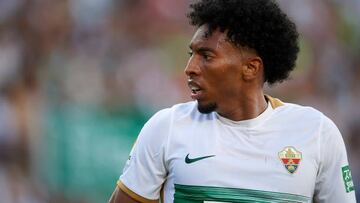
(155, 133)
(167, 115)
(309, 115)
(291, 110)
(307, 112)
(303, 117)
(176, 111)
(302, 113)
(157, 129)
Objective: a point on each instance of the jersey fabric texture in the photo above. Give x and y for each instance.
(289, 153)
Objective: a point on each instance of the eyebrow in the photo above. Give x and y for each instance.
(202, 49)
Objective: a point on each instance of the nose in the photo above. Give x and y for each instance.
(192, 67)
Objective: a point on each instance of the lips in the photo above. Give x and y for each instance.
(196, 90)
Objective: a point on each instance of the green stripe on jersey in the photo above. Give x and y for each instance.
(199, 194)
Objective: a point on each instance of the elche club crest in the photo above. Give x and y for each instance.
(291, 158)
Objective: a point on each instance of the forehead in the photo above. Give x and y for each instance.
(202, 38)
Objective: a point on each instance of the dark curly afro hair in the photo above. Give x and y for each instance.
(257, 24)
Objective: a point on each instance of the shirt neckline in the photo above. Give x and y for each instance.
(249, 123)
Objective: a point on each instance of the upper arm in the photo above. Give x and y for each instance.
(119, 196)
(122, 194)
(145, 171)
(332, 184)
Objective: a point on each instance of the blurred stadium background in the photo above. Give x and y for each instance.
(78, 79)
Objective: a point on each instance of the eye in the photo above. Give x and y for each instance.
(207, 56)
(190, 53)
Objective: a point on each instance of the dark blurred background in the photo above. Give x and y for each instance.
(78, 79)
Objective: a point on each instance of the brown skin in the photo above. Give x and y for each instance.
(229, 78)
(119, 196)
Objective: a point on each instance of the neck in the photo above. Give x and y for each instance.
(247, 107)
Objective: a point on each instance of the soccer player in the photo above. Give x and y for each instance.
(234, 143)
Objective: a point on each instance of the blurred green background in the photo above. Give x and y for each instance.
(79, 78)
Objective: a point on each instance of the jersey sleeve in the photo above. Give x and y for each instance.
(145, 171)
(334, 183)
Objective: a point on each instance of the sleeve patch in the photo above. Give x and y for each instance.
(346, 173)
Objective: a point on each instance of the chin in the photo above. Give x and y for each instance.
(206, 108)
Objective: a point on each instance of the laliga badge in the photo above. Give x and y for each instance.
(291, 158)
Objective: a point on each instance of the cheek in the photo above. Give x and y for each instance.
(222, 74)
(229, 73)
(229, 80)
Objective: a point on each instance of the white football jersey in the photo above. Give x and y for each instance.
(289, 153)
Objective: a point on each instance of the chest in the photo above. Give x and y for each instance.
(268, 159)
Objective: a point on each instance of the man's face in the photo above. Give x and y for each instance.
(213, 71)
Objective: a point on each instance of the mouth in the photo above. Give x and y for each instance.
(196, 90)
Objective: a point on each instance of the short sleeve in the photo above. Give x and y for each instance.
(145, 171)
(334, 183)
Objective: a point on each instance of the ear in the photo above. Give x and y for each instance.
(252, 68)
